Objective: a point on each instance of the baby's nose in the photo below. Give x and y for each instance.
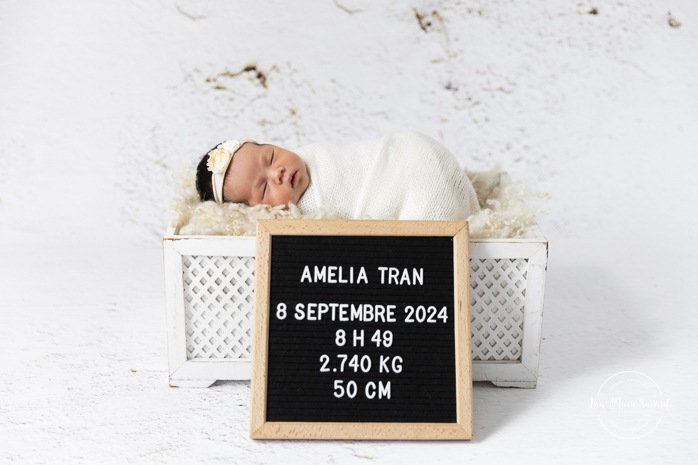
(279, 174)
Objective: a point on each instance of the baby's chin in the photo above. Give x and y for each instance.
(294, 200)
(306, 182)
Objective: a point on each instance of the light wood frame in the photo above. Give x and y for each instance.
(260, 428)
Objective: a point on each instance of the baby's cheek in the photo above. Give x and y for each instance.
(280, 199)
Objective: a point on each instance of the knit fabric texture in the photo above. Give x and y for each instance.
(402, 176)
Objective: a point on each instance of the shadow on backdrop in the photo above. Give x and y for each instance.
(589, 321)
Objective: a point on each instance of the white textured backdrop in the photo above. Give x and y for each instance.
(101, 102)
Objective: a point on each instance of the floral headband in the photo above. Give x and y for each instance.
(218, 161)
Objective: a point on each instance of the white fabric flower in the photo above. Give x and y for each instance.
(232, 146)
(218, 160)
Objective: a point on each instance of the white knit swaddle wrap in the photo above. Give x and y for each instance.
(402, 176)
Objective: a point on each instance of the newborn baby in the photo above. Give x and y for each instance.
(402, 176)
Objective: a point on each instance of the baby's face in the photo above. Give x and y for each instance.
(265, 174)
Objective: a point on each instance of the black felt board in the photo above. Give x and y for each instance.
(425, 390)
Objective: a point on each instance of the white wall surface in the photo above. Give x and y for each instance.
(101, 102)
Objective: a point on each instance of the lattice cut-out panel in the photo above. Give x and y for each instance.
(218, 304)
(497, 302)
